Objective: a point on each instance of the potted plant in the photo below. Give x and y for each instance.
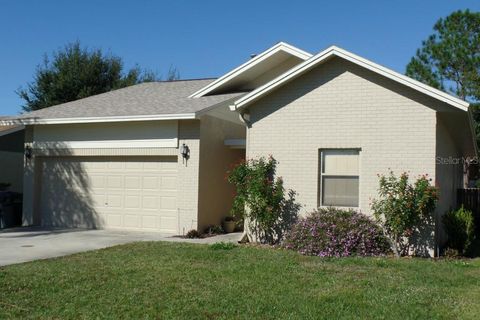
(229, 224)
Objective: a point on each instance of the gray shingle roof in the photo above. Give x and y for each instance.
(151, 98)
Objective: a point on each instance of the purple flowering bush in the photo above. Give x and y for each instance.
(334, 232)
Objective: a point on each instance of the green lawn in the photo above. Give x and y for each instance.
(181, 281)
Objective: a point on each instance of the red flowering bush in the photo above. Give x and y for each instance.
(261, 200)
(404, 209)
(333, 232)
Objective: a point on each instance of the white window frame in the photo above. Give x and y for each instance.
(321, 175)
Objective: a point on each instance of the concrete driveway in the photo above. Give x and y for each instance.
(28, 244)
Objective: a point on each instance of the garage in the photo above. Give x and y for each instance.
(137, 193)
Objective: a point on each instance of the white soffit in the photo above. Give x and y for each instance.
(338, 52)
(265, 61)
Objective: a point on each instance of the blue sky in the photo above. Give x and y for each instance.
(208, 38)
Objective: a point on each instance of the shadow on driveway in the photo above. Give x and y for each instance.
(34, 231)
(28, 244)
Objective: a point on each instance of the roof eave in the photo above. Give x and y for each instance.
(41, 121)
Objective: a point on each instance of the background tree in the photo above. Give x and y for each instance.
(449, 59)
(75, 72)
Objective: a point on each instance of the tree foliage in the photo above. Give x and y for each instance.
(450, 58)
(76, 72)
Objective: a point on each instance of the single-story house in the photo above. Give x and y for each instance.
(154, 156)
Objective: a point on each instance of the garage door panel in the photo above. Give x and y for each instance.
(133, 182)
(154, 166)
(150, 222)
(114, 220)
(114, 192)
(133, 202)
(97, 181)
(116, 165)
(134, 165)
(115, 182)
(169, 183)
(150, 203)
(115, 201)
(151, 182)
(132, 221)
(168, 203)
(168, 165)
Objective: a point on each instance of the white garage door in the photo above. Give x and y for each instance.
(115, 192)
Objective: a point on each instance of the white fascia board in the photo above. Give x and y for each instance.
(11, 130)
(31, 121)
(281, 46)
(335, 51)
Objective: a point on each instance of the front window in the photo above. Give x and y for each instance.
(339, 177)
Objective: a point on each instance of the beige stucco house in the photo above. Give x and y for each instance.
(333, 121)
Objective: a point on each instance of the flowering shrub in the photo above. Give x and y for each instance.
(404, 209)
(262, 200)
(337, 233)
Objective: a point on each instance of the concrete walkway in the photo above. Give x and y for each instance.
(27, 244)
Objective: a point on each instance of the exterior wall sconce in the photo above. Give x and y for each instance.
(185, 152)
(28, 152)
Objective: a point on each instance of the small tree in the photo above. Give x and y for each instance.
(261, 201)
(403, 207)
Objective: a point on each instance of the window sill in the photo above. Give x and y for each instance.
(340, 207)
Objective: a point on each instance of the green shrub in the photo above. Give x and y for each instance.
(192, 234)
(451, 253)
(403, 208)
(460, 228)
(212, 230)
